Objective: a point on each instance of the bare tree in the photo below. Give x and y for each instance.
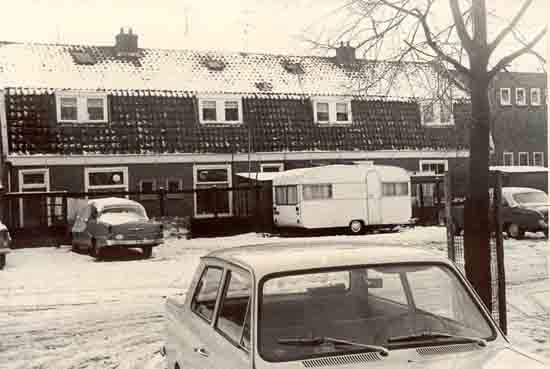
(417, 30)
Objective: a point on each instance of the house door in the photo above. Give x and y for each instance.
(374, 198)
(34, 211)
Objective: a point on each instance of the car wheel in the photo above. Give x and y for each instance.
(147, 251)
(356, 227)
(515, 231)
(546, 233)
(2, 261)
(95, 251)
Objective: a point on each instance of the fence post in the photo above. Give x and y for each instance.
(162, 199)
(497, 204)
(449, 217)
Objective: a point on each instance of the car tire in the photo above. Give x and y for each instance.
(2, 261)
(546, 233)
(147, 251)
(513, 230)
(94, 250)
(357, 227)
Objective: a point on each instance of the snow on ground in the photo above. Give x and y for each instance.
(60, 309)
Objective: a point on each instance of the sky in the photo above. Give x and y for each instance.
(273, 26)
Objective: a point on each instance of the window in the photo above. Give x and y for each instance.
(147, 186)
(436, 112)
(206, 293)
(385, 285)
(505, 98)
(535, 97)
(272, 167)
(174, 185)
(82, 107)
(523, 158)
(106, 179)
(220, 109)
(521, 99)
(32, 212)
(435, 166)
(508, 158)
(395, 189)
(538, 159)
(317, 192)
(235, 310)
(332, 110)
(212, 197)
(286, 195)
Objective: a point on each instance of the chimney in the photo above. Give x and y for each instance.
(345, 54)
(126, 43)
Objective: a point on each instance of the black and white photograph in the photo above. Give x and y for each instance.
(256, 184)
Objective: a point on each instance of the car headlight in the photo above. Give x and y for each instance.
(119, 236)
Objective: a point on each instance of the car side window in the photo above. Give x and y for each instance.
(234, 316)
(206, 292)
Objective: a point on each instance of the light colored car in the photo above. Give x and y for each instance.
(329, 305)
(5, 241)
(115, 222)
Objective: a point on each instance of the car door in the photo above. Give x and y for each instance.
(79, 226)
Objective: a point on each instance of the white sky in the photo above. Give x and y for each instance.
(277, 26)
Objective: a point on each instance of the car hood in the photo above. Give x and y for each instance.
(121, 218)
(486, 358)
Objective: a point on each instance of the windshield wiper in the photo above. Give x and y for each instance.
(429, 335)
(316, 341)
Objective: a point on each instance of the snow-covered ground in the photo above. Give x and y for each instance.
(60, 309)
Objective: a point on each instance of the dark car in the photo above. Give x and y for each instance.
(115, 222)
(523, 210)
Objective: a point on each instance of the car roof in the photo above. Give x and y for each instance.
(303, 255)
(112, 201)
(513, 190)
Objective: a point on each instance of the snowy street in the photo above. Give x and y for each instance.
(60, 309)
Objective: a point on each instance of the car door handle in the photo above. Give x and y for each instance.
(201, 351)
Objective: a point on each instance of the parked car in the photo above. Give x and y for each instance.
(115, 222)
(332, 304)
(5, 242)
(523, 210)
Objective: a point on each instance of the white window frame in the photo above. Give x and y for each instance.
(520, 154)
(437, 161)
(332, 101)
(502, 102)
(437, 114)
(524, 101)
(220, 108)
(32, 186)
(280, 166)
(90, 170)
(229, 183)
(509, 154)
(81, 106)
(539, 94)
(541, 154)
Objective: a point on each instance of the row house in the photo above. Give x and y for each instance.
(104, 118)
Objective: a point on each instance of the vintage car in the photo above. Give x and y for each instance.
(115, 222)
(332, 304)
(5, 241)
(523, 210)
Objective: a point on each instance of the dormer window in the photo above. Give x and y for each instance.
(220, 109)
(436, 112)
(336, 111)
(505, 97)
(83, 58)
(521, 99)
(535, 97)
(81, 107)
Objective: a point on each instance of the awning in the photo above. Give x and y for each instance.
(519, 169)
(260, 176)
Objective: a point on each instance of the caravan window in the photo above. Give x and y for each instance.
(395, 189)
(317, 192)
(286, 195)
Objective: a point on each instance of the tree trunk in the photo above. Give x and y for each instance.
(477, 251)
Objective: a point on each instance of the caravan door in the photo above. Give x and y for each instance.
(374, 191)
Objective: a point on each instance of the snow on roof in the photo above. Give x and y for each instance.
(519, 169)
(302, 255)
(514, 190)
(54, 66)
(107, 202)
(339, 173)
(259, 176)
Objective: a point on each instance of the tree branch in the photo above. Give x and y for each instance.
(461, 26)
(511, 57)
(493, 45)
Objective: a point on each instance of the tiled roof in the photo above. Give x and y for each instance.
(164, 72)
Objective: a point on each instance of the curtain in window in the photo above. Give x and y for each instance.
(317, 192)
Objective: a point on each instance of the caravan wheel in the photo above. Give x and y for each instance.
(357, 227)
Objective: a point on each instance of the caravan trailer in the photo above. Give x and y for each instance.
(358, 197)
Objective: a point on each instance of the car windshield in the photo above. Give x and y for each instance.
(133, 211)
(386, 306)
(531, 198)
